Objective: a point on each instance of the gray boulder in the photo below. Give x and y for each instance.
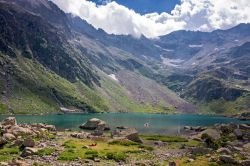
(130, 134)
(95, 123)
(9, 137)
(20, 131)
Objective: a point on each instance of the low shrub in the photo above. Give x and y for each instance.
(123, 143)
(116, 156)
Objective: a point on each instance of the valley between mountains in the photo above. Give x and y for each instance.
(52, 61)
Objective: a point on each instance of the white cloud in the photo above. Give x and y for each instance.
(204, 15)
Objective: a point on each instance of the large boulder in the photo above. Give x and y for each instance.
(215, 134)
(20, 131)
(9, 121)
(130, 134)
(94, 123)
(9, 137)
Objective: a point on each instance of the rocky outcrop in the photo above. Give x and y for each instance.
(94, 123)
(9, 121)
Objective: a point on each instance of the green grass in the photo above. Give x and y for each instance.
(123, 143)
(75, 149)
(7, 153)
(38, 90)
(46, 151)
(164, 138)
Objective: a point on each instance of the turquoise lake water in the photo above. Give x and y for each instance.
(158, 123)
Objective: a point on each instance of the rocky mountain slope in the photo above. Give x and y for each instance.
(51, 60)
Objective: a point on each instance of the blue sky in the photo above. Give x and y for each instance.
(147, 6)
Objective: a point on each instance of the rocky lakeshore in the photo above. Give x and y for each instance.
(42, 145)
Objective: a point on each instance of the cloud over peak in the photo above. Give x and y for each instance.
(204, 15)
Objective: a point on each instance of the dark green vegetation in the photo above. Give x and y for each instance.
(51, 60)
(164, 138)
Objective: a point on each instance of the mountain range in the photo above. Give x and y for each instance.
(52, 61)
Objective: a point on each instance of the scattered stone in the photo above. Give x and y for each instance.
(228, 159)
(187, 127)
(18, 142)
(238, 149)
(197, 139)
(81, 135)
(29, 151)
(224, 151)
(9, 121)
(238, 133)
(94, 123)
(3, 141)
(4, 164)
(212, 159)
(159, 143)
(183, 146)
(29, 143)
(247, 146)
(172, 163)
(244, 127)
(97, 160)
(190, 160)
(199, 150)
(245, 163)
(18, 163)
